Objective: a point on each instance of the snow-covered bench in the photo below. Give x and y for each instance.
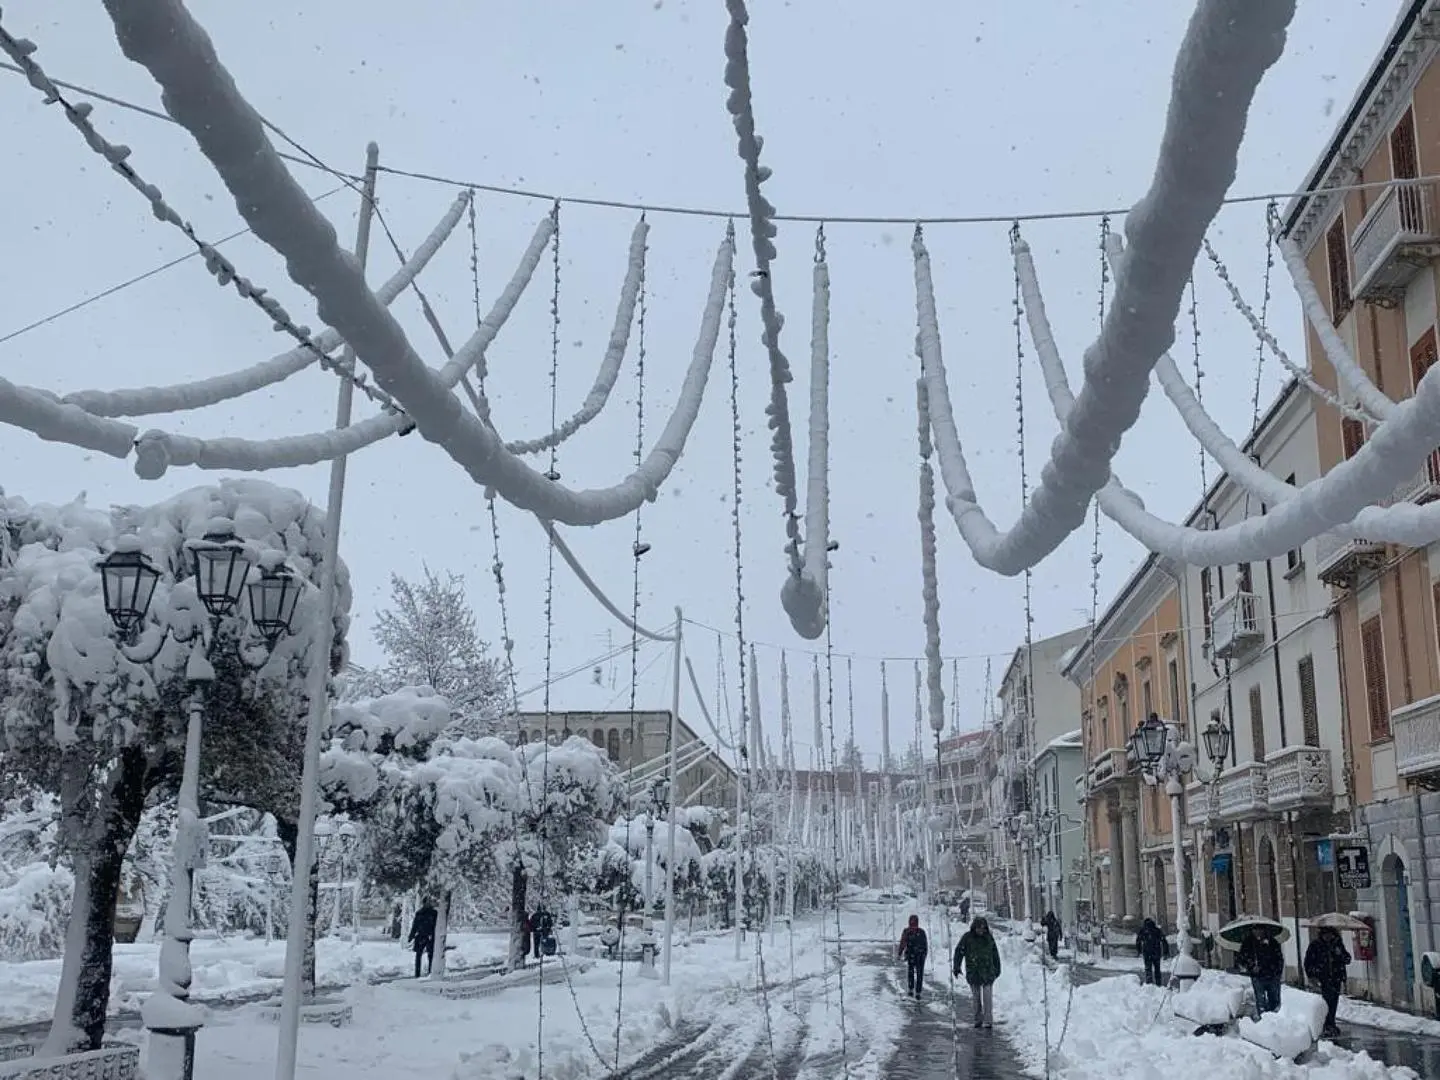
(1211, 1005)
(1294, 1030)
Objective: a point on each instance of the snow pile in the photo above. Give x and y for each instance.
(1291, 1031)
(1118, 1027)
(1210, 1000)
(34, 910)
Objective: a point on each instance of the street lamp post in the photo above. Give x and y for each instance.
(1161, 751)
(220, 573)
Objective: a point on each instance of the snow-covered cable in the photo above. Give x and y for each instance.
(157, 451)
(1227, 49)
(803, 594)
(1267, 339)
(930, 582)
(1351, 375)
(762, 241)
(614, 353)
(221, 268)
(199, 93)
(585, 579)
(704, 710)
(182, 397)
(1341, 501)
(41, 413)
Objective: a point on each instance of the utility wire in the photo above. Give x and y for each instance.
(708, 212)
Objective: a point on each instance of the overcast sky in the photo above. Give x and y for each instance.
(913, 109)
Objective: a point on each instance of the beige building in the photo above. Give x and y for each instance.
(639, 742)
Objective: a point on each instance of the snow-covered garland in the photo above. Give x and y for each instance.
(803, 594)
(1227, 49)
(20, 51)
(930, 587)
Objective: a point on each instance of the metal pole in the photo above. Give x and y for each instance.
(674, 796)
(317, 686)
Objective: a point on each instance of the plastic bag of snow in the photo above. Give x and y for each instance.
(1210, 1001)
(1291, 1031)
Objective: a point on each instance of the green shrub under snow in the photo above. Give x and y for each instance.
(34, 909)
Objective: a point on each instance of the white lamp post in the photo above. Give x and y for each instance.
(1159, 749)
(220, 567)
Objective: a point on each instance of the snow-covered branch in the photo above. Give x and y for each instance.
(1227, 49)
(200, 95)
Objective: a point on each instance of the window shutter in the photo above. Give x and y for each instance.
(1337, 258)
(1352, 436)
(1257, 724)
(1377, 695)
(1309, 708)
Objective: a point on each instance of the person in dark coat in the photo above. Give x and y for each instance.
(422, 935)
(542, 926)
(979, 956)
(965, 909)
(1052, 933)
(914, 947)
(1325, 962)
(1150, 943)
(1264, 961)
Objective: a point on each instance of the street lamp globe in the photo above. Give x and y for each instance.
(127, 580)
(1217, 742)
(273, 597)
(1150, 738)
(221, 567)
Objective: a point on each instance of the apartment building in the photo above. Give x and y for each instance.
(1133, 664)
(1060, 846)
(1261, 649)
(1371, 252)
(1037, 704)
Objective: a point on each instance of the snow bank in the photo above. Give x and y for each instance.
(1118, 1027)
(1291, 1031)
(1210, 1001)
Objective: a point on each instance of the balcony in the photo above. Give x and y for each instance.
(1394, 241)
(1299, 779)
(1109, 767)
(1340, 561)
(1235, 625)
(1197, 804)
(1243, 792)
(1416, 728)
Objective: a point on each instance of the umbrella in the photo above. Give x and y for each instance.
(1336, 921)
(1233, 934)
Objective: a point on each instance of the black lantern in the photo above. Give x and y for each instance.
(128, 579)
(1217, 741)
(273, 596)
(1149, 739)
(221, 566)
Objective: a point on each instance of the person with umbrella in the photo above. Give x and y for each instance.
(1264, 961)
(1325, 962)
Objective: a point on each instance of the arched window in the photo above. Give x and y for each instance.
(523, 737)
(537, 736)
(612, 744)
(598, 737)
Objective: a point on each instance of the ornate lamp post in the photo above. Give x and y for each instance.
(658, 803)
(220, 567)
(1161, 752)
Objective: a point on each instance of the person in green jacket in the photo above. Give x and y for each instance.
(980, 958)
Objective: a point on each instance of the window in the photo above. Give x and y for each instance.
(1423, 356)
(598, 737)
(1205, 600)
(1292, 557)
(1175, 711)
(1405, 164)
(1243, 581)
(1309, 709)
(1257, 724)
(1103, 706)
(1372, 659)
(1337, 259)
(612, 744)
(1352, 436)
(524, 737)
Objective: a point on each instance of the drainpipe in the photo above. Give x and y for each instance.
(1424, 873)
(1275, 652)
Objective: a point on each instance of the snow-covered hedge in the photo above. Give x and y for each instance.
(34, 910)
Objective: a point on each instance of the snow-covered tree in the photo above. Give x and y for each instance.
(101, 725)
(430, 638)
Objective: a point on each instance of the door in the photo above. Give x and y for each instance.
(1423, 355)
(1405, 163)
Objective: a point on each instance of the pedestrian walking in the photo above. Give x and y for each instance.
(914, 948)
(965, 908)
(542, 926)
(1326, 961)
(979, 957)
(1150, 943)
(422, 935)
(1052, 933)
(1264, 961)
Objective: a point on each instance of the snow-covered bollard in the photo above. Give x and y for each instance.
(647, 956)
(1184, 972)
